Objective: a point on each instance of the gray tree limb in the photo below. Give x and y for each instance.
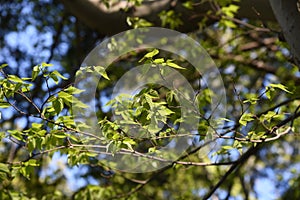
(112, 20)
(288, 16)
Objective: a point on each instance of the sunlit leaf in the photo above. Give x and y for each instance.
(101, 70)
(246, 117)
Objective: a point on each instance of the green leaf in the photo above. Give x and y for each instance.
(32, 162)
(4, 168)
(251, 98)
(188, 5)
(227, 147)
(3, 65)
(170, 18)
(228, 23)
(15, 79)
(268, 93)
(31, 144)
(279, 86)
(174, 65)
(55, 74)
(101, 70)
(159, 61)
(73, 90)
(246, 117)
(78, 104)
(150, 55)
(269, 116)
(164, 111)
(170, 96)
(46, 64)
(4, 105)
(230, 10)
(59, 75)
(129, 142)
(35, 72)
(36, 126)
(16, 134)
(137, 22)
(153, 128)
(67, 98)
(58, 134)
(91, 154)
(58, 105)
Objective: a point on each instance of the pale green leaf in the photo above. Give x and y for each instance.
(58, 105)
(35, 72)
(3, 65)
(188, 5)
(227, 147)
(46, 64)
(15, 79)
(173, 65)
(246, 117)
(164, 111)
(4, 105)
(279, 86)
(73, 90)
(4, 168)
(101, 70)
(152, 53)
(159, 61)
(57, 74)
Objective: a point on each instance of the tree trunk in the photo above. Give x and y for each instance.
(288, 16)
(112, 20)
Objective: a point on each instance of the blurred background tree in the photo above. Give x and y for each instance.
(252, 48)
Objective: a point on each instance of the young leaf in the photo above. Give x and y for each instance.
(4, 168)
(164, 111)
(16, 134)
(152, 53)
(246, 117)
(101, 70)
(35, 72)
(15, 79)
(149, 55)
(129, 142)
(280, 86)
(227, 147)
(188, 5)
(78, 104)
(32, 162)
(67, 98)
(57, 74)
(3, 65)
(73, 90)
(58, 105)
(4, 105)
(159, 61)
(46, 64)
(58, 134)
(174, 65)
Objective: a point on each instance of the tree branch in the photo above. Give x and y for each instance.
(251, 151)
(288, 17)
(112, 20)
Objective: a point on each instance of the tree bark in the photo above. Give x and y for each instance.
(112, 20)
(288, 16)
